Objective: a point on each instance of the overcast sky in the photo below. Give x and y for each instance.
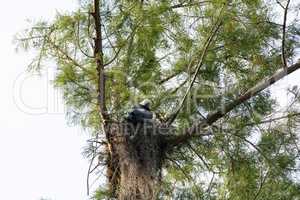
(40, 156)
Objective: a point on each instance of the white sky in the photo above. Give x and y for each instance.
(40, 155)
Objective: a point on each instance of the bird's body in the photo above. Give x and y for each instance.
(140, 113)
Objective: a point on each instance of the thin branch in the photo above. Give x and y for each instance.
(200, 63)
(174, 90)
(188, 176)
(274, 119)
(280, 4)
(262, 182)
(78, 84)
(182, 5)
(180, 168)
(200, 157)
(169, 77)
(107, 37)
(283, 56)
(116, 171)
(112, 46)
(114, 58)
(209, 188)
(255, 147)
(25, 39)
(88, 174)
(78, 42)
(68, 57)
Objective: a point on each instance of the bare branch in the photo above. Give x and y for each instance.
(283, 56)
(88, 174)
(280, 4)
(114, 58)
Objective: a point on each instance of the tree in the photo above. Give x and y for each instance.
(207, 67)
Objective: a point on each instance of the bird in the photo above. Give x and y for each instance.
(140, 113)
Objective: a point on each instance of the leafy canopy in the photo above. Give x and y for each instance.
(151, 50)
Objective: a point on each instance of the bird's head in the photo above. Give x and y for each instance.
(145, 104)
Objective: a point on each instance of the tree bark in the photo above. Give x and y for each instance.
(139, 151)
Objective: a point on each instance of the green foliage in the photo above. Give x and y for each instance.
(101, 194)
(152, 51)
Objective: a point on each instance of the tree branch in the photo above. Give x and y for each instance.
(291, 115)
(114, 58)
(280, 4)
(67, 56)
(198, 128)
(200, 63)
(283, 56)
(78, 42)
(98, 55)
(182, 5)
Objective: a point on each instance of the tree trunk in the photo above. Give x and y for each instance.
(139, 151)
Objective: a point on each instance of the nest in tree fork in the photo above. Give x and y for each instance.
(137, 156)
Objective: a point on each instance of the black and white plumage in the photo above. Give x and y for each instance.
(140, 113)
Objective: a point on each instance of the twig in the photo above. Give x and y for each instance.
(262, 182)
(88, 174)
(78, 41)
(280, 4)
(209, 188)
(274, 119)
(68, 57)
(200, 157)
(255, 147)
(114, 58)
(182, 5)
